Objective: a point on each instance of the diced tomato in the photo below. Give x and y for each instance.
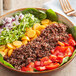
(52, 66)
(53, 58)
(52, 51)
(60, 48)
(42, 63)
(57, 53)
(27, 69)
(47, 62)
(61, 43)
(41, 68)
(66, 44)
(72, 42)
(30, 65)
(59, 59)
(71, 48)
(68, 52)
(37, 63)
(44, 59)
(70, 36)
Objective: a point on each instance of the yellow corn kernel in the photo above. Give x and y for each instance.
(50, 22)
(36, 25)
(25, 38)
(45, 25)
(31, 33)
(41, 28)
(10, 52)
(54, 22)
(34, 37)
(2, 53)
(10, 46)
(6, 51)
(17, 43)
(2, 47)
(45, 21)
(24, 42)
(27, 29)
(37, 32)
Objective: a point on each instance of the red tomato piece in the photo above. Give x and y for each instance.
(41, 68)
(37, 63)
(58, 53)
(30, 65)
(71, 48)
(27, 69)
(59, 59)
(72, 42)
(66, 44)
(68, 52)
(52, 66)
(47, 62)
(60, 49)
(52, 51)
(70, 36)
(44, 59)
(61, 43)
(53, 58)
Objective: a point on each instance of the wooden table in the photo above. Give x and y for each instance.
(69, 70)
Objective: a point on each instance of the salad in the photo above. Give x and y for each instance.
(33, 40)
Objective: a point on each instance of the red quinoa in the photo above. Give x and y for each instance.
(39, 47)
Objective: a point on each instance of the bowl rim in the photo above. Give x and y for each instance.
(47, 71)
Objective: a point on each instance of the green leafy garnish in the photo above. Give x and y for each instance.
(64, 60)
(8, 64)
(73, 54)
(38, 14)
(4, 62)
(51, 15)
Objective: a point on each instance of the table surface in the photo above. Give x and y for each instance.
(69, 70)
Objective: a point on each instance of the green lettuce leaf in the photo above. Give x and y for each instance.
(37, 13)
(64, 60)
(51, 15)
(73, 54)
(4, 62)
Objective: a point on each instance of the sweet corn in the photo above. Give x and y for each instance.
(2, 47)
(34, 37)
(35, 26)
(27, 29)
(31, 33)
(24, 42)
(41, 28)
(10, 46)
(25, 38)
(45, 21)
(50, 22)
(2, 53)
(6, 51)
(37, 32)
(10, 52)
(54, 22)
(17, 43)
(45, 25)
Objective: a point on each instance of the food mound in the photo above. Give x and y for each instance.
(36, 43)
